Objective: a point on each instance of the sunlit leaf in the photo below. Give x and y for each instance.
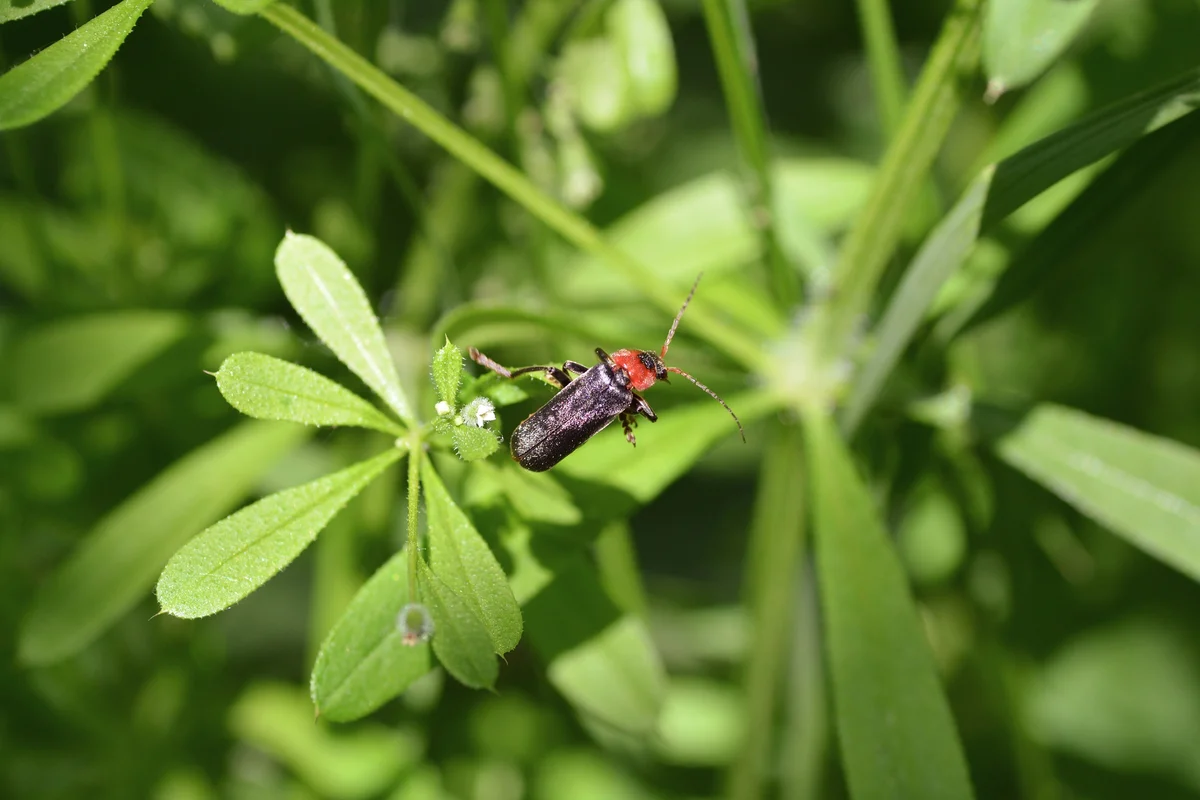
(942, 253)
(44, 83)
(642, 36)
(15, 9)
(1026, 174)
(234, 557)
(447, 373)
(364, 661)
(1144, 487)
(264, 387)
(1021, 38)
(462, 559)
(362, 762)
(460, 639)
(894, 724)
(115, 565)
(72, 364)
(326, 294)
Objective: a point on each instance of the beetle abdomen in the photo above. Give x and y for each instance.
(583, 408)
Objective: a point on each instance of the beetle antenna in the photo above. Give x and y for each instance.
(679, 316)
(711, 393)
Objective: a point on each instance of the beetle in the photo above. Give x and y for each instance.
(589, 399)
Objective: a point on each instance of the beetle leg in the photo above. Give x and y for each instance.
(554, 375)
(575, 367)
(640, 406)
(627, 422)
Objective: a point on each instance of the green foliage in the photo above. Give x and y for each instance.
(116, 562)
(231, 559)
(364, 662)
(1141, 486)
(906, 298)
(1021, 39)
(894, 725)
(74, 363)
(46, 82)
(325, 293)
(461, 558)
(263, 387)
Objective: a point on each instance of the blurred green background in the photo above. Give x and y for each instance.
(151, 206)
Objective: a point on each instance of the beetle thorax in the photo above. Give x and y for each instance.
(643, 367)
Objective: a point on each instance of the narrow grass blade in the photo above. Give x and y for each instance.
(460, 639)
(234, 557)
(1145, 488)
(732, 42)
(44, 83)
(1022, 38)
(772, 563)
(115, 565)
(326, 294)
(15, 9)
(264, 387)
(894, 724)
(462, 559)
(873, 238)
(888, 84)
(1028, 173)
(1040, 261)
(941, 254)
(72, 364)
(364, 662)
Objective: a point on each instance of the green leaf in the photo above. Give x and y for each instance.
(72, 364)
(15, 9)
(234, 557)
(460, 639)
(1145, 488)
(264, 387)
(537, 497)
(45, 82)
(472, 444)
(942, 253)
(461, 558)
(600, 658)
(115, 565)
(1021, 38)
(363, 662)
(1026, 174)
(325, 293)
(642, 36)
(363, 762)
(447, 373)
(896, 732)
(665, 450)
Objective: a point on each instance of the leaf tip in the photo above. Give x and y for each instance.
(995, 90)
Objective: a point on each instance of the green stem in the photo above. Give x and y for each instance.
(883, 58)
(876, 232)
(773, 555)
(414, 497)
(734, 343)
(733, 48)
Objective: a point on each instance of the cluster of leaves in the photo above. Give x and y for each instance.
(817, 392)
